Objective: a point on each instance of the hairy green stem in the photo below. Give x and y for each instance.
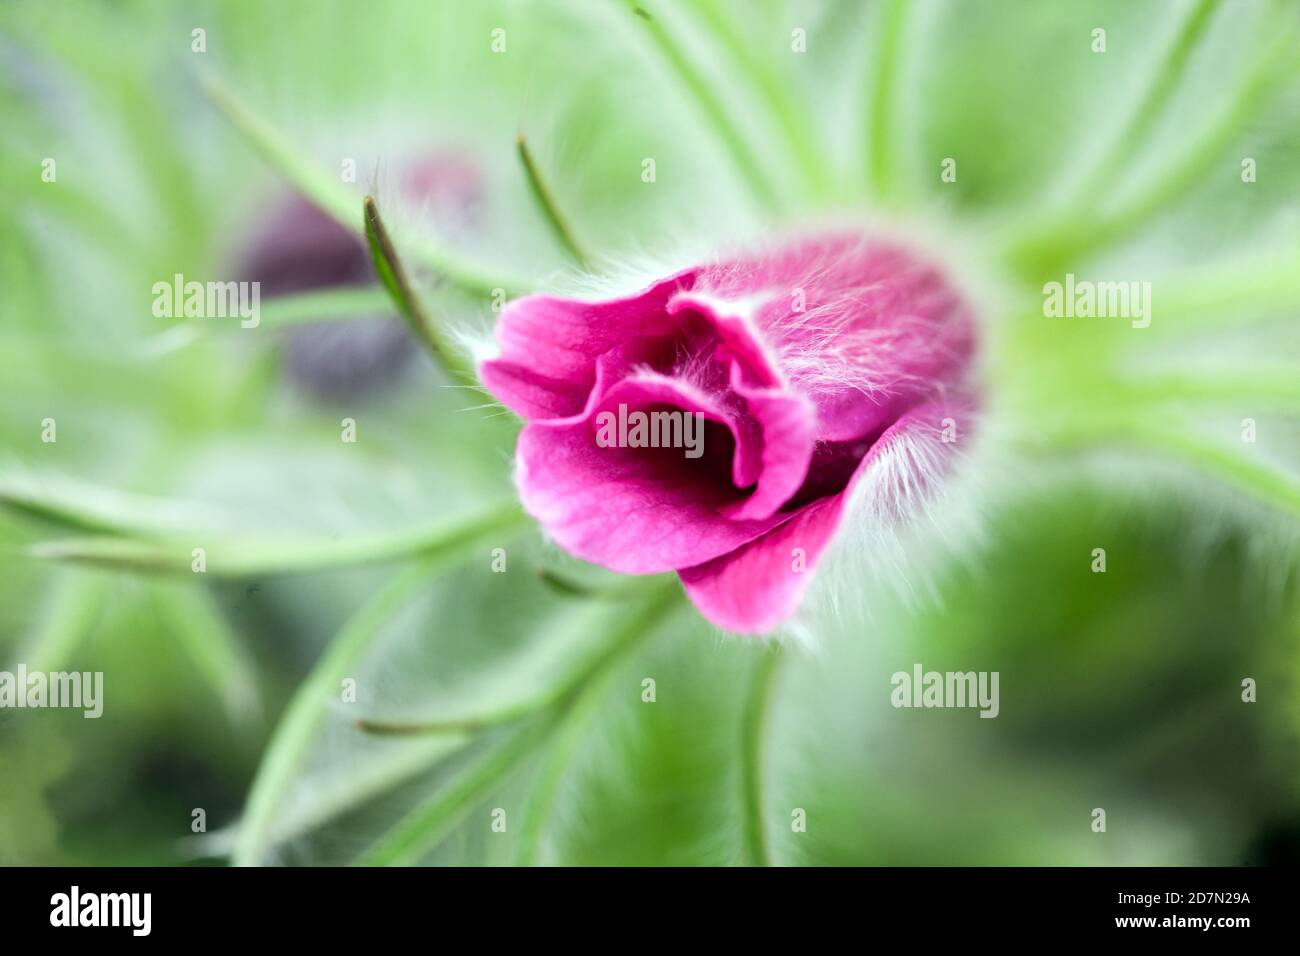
(393, 278)
(1214, 459)
(800, 136)
(881, 144)
(306, 711)
(752, 749)
(716, 112)
(1245, 389)
(1262, 482)
(564, 711)
(224, 557)
(422, 831)
(577, 712)
(334, 198)
(659, 595)
(1165, 77)
(1079, 232)
(546, 202)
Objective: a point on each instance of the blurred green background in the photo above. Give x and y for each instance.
(501, 716)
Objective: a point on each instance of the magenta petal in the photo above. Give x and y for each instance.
(788, 436)
(637, 511)
(737, 333)
(818, 367)
(530, 394)
(757, 586)
(549, 345)
(760, 584)
(787, 419)
(653, 388)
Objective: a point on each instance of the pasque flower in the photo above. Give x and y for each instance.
(824, 369)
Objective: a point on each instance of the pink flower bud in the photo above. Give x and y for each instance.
(805, 367)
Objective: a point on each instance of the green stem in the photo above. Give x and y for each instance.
(546, 202)
(550, 697)
(1227, 295)
(246, 558)
(67, 508)
(307, 709)
(1262, 482)
(422, 830)
(1164, 80)
(358, 785)
(334, 198)
(578, 710)
(220, 658)
(393, 278)
(619, 590)
(753, 733)
(561, 584)
(1224, 464)
(717, 114)
(799, 134)
(1080, 232)
(368, 782)
(881, 143)
(1275, 389)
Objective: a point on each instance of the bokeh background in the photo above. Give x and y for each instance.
(500, 716)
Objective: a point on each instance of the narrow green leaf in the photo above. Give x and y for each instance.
(717, 113)
(777, 93)
(618, 590)
(881, 141)
(1164, 78)
(214, 647)
(1226, 464)
(1261, 481)
(86, 507)
(424, 829)
(580, 710)
(563, 585)
(1264, 389)
(565, 709)
(366, 782)
(393, 277)
(633, 625)
(547, 203)
(323, 189)
(1258, 287)
(293, 735)
(321, 802)
(247, 557)
(559, 756)
(333, 197)
(1082, 231)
